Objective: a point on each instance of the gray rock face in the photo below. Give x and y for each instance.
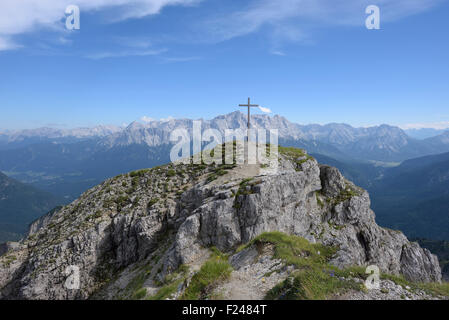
(332, 181)
(122, 222)
(411, 254)
(287, 202)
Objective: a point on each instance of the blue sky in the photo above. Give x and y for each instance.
(312, 61)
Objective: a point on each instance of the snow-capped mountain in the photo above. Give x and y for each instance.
(46, 133)
(156, 133)
(380, 143)
(14, 139)
(67, 162)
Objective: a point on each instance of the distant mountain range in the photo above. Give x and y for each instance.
(20, 138)
(67, 162)
(380, 143)
(410, 197)
(424, 133)
(20, 204)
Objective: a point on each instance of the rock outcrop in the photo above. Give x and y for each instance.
(164, 217)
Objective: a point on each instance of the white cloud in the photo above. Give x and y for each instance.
(124, 53)
(289, 18)
(278, 53)
(266, 110)
(167, 119)
(21, 16)
(64, 40)
(128, 47)
(7, 44)
(180, 59)
(138, 42)
(147, 119)
(283, 20)
(442, 125)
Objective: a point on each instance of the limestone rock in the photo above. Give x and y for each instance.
(164, 217)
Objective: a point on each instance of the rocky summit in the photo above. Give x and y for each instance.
(230, 231)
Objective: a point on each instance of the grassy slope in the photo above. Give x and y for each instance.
(315, 278)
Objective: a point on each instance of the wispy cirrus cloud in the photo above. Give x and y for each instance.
(290, 20)
(24, 16)
(124, 53)
(278, 53)
(179, 59)
(281, 20)
(7, 44)
(147, 119)
(128, 47)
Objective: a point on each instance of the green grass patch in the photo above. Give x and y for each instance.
(171, 173)
(398, 279)
(139, 173)
(353, 271)
(298, 156)
(310, 284)
(441, 289)
(314, 277)
(221, 170)
(335, 226)
(139, 294)
(94, 216)
(152, 202)
(167, 290)
(245, 188)
(295, 250)
(432, 288)
(122, 201)
(134, 287)
(216, 269)
(344, 195)
(171, 283)
(8, 260)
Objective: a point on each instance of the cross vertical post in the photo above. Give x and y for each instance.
(249, 106)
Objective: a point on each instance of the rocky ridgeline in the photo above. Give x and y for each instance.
(139, 232)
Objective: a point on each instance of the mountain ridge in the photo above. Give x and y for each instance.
(69, 167)
(134, 233)
(382, 143)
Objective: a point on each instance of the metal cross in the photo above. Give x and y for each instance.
(249, 105)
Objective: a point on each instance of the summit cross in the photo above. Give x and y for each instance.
(249, 106)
